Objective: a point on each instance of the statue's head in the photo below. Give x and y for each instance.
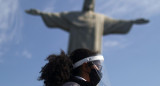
(88, 5)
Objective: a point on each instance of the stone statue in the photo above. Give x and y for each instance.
(86, 27)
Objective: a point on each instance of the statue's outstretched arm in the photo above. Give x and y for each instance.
(116, 26)
(140, 21)
(33, 12)
(120, 26)
(51, 19)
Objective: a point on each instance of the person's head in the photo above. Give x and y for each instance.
(57, 70)
(88, 5)
(84, 61)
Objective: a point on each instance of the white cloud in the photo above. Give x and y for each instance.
(111, 43)
(24, 53)
(8, 9)
(129, 8)
(27, 54)
(120, 43)
(9, 22)
(50, 6)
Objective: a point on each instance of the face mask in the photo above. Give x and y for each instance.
(95, 75)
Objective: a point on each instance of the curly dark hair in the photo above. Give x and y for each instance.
(57, 70)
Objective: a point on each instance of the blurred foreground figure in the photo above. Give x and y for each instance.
(81, 68)
(86, 27)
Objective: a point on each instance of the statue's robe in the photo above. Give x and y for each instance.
(86, 28)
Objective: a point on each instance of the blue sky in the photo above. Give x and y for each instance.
(130, 60)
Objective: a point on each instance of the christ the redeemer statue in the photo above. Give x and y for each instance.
(86, 27)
